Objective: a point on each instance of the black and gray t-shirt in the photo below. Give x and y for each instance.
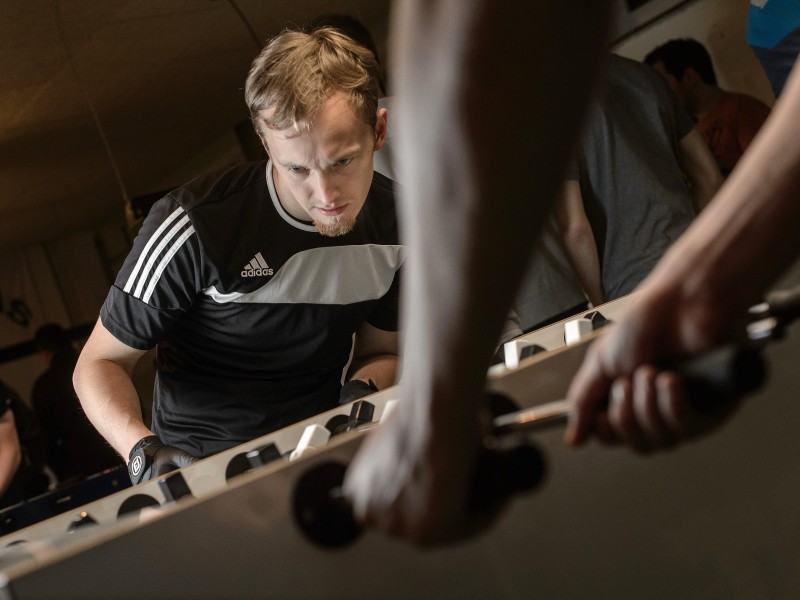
(253, 311)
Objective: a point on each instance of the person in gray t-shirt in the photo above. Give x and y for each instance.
(643, 173)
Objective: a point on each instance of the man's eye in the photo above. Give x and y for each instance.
(296, 169)
(344, 161)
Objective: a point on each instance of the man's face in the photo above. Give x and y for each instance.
(325, 173)
(681, 87)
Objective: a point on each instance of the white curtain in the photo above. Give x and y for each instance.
(61, 282)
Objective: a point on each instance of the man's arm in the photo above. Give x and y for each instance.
(750, 121)
(699, 165)
(697, 296)
(103, 383)
(10, 452)
(375, 356)
(579, 242)
(489, 103)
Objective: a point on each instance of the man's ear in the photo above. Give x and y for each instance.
(690, 77)
(381, 125)
(264, 144)
(262, 138)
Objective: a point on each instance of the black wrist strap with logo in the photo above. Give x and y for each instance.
(141, 456)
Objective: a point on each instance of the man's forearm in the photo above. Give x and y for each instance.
(10, 459)
(699, 165)
(480, 88)
(586, 264)
(380, 369)
(484, 155)
(110, 401)
(579, 241)
(10, 453)
(104, 385)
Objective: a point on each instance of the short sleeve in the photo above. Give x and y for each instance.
(159, 280)
(385, 315)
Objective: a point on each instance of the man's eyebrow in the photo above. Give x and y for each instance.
(348, 151)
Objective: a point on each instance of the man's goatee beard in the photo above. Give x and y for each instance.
(335, 228)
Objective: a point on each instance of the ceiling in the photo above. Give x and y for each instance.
(102, 100)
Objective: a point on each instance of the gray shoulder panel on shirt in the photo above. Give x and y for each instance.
(335, 275)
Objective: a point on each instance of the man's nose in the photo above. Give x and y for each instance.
(325, 188)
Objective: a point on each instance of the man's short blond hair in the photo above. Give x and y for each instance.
(297, 71)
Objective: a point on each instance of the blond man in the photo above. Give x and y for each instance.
(266, 286)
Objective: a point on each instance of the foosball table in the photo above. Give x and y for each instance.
(716, 518)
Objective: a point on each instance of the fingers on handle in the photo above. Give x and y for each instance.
(587, 392)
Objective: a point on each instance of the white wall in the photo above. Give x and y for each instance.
(62, 282)
(67, 279)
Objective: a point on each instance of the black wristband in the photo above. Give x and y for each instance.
(141, 456)
(355, 388)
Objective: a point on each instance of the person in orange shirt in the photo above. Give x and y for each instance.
(727, 121)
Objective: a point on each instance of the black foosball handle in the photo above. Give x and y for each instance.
(716, 380)
(713, 382)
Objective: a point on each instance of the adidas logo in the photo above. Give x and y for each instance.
(257, 267)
